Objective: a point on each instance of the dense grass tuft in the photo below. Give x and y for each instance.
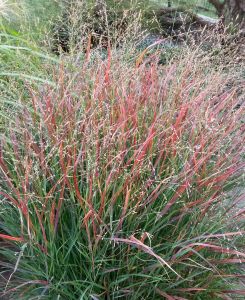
(118, 182)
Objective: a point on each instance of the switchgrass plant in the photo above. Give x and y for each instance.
(114, 22)
(118, 183)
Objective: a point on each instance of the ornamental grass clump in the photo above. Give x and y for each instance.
(119, 183)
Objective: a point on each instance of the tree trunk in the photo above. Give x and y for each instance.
(232, 11)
